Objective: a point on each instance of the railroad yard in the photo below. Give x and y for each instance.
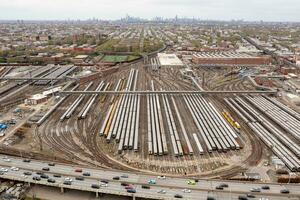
(182, 101)
(191, 134)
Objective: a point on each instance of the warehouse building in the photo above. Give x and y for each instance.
(169, 60)
(229, 58)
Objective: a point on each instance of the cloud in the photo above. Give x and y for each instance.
(270, 10)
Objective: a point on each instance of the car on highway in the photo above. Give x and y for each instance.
(78, 170)
(265, 187)
(116, 178)
(46, 169)
(14, 169)
(178, 196)
(152, 181)
(124, 184)
(45, 176)
(39, 173)
(131, 190)
(67, 182)
(210, 198)
(161, 177)
(51, 164)
(124, 176)
(36, 178)
(27, 173)
(186, 191)
(57, 175)
(145, 186)
(7, 160)
(103, 184)
(3, 169)
(51, 180)
(95, 186)
(26, 160)
(242, 198)
(86, 174)
(68, 179)
(128, 187)
(284, 191)
(1, 173)
(219, 187)
(104, 181)
(250, 195)
(224, 185)
(191, 182)
(79, 178)
(162, 191)
(255, 190)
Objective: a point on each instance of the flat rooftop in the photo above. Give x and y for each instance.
(169, 59)
(227, 54)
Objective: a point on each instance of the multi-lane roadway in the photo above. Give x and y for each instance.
(164, 187)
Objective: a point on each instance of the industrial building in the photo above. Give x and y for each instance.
(229, 58)
(169, 60)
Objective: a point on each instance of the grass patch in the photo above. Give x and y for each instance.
(114, 58)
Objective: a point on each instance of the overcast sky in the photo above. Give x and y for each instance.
(267, 10)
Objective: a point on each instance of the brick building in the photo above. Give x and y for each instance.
(229, 58)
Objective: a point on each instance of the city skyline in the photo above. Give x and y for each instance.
(225, 10)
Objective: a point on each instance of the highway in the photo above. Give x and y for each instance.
(170, 185)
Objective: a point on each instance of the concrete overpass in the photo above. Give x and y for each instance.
(170, 185)
(239, 92)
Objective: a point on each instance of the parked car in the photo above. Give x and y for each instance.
(56, 175)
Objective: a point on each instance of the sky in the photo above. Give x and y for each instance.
(250, 10)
